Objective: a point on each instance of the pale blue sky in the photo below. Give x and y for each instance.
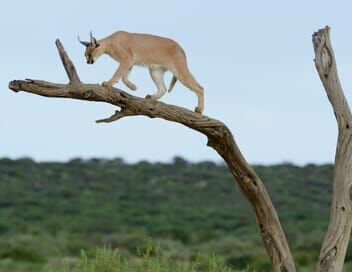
(254, 59)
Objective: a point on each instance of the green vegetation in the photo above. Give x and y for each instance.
(49, 212)
(107, 260)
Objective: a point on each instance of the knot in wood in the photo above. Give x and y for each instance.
(326, 60)
(316, 39)
(328, 260)
(251, 183)
(88, 94)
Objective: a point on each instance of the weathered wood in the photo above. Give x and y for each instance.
(219, 137)
(334, 247)
(68, 64)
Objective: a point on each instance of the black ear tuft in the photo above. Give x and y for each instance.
(83, 42)
(94, 41)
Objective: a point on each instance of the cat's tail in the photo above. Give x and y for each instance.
(172, 83)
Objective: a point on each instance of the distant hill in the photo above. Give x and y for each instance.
(52, 210)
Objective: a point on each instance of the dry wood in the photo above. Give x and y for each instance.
(334, 248)
(218, 134)
(67, 63)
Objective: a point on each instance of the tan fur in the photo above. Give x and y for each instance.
(157, 53)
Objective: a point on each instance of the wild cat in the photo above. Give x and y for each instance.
(159, 54)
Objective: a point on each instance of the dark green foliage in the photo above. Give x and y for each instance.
(60, 208)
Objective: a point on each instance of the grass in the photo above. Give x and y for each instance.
(149, 260)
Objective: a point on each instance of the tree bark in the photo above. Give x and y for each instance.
(219, 137)
(335, 244)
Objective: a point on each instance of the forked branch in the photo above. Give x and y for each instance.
(218, 134)
(334, 248)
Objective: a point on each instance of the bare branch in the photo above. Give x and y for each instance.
(334, 248)
(116, 116)
(326, 66)
(69, 67)
(219, 137)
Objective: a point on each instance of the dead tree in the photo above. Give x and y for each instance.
(221, 139)
(335, 244)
